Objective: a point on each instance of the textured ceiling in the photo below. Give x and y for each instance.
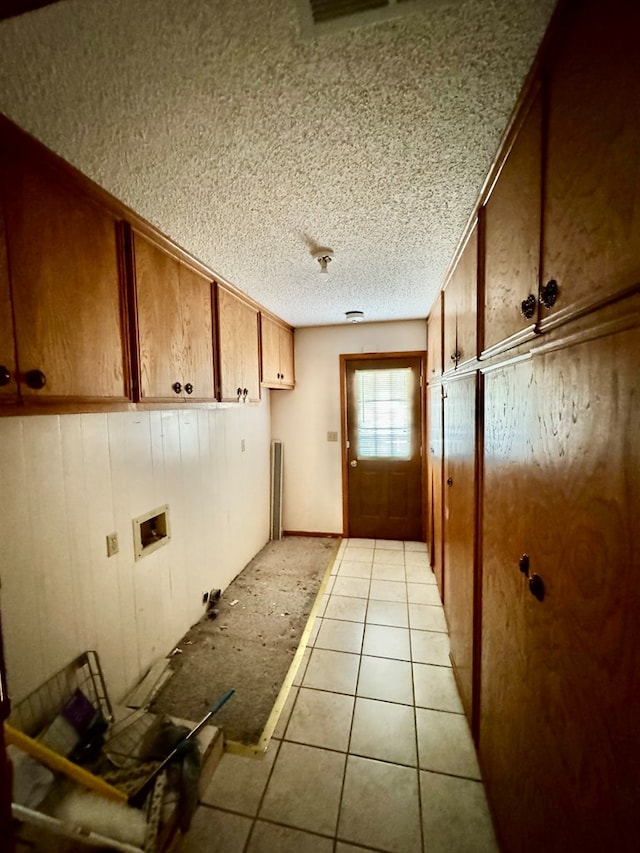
(250, 144)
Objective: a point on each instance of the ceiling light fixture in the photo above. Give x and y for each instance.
(323, 257)
(354, 316)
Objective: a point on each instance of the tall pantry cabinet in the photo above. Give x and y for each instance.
(554, 627)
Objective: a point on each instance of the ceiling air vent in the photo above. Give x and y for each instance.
(325, 16)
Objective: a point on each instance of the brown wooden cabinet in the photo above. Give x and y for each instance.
(512, 240)
(434, 340)
(66, 285)
(435, 438)
(238, 348)
(461, 308)
(8, 382)
(459, 497)
(592, 162)
(173, 324)
(277, 354)
(560, 700)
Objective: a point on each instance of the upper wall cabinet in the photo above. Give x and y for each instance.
(512, 240)
(66, 284)
(461, 308)
(238, 348)
(434, 340)
(172, 324)
(277, 354)
(591, 247)
(8, 382)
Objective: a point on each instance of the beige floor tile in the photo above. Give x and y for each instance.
(321, 719)
(435, 687)
(380, 806)
(239, 781)
(422, 593)
(360, 555)
(415, 546)
(345, 607)
(388, 591)
(297, 678)
(285, 714)
(385, 731)
(455, 816)
(352, 587)
(420, 574)
(361, 543)
(304, 788)
(340, 636)
(427, 617)
(387, 642)
(342, 847)
(323, 604)
(416, 558)
(389, 680)
(315, 628)
(329, 587)
(388, 613)
(389, 545)
(214, 831)
(445, 744)
(271, 838)
(391, 558)
(388, 572)
(354, 569)
(430, 647)
(333, 671)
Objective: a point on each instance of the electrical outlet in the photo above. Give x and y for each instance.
(332, 436)
(112, 544)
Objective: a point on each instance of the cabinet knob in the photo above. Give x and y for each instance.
(5, 375)
(549, 293)
(245, 392)
(449, 481)
(523, 565)
(455, 357)
(528, 306)
(536, 587)
(35, 379)
(239, 393)
(188, 388)
(177, 387)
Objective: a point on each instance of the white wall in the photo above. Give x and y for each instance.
(67, 481)
(312, 499)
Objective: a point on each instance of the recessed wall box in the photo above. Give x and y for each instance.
(151, 531)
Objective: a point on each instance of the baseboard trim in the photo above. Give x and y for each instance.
(312, 533)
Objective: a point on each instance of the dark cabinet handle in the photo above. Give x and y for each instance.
(523, 565)
(528, 306)
(549, 293)
(536, 587)
(35, 379)
(449, 481)
(177, 387)
(5, 376)
(239, 393)
(455, 357)
(188, 388)
(245, 392)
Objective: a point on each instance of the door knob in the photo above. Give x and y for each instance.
(354, 463)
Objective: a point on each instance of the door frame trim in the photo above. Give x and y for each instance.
(381, 356)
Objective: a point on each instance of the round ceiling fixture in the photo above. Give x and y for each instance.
(354, 316)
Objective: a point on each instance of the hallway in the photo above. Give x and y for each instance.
(372, 750)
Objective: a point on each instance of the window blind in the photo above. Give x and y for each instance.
(384, 413)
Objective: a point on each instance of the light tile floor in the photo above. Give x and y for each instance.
(372, 750)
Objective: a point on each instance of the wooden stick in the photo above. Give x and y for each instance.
(60, 764)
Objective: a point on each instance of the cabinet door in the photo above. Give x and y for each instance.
(434, 480)
(238, 348)
(512, 240)
(174, 325)
(461, 308)
(270, 339)
(8, 384)
(460, 528)
(66, 285)
(592, 196)
(560, 698)
(287, 368)
(434, 340)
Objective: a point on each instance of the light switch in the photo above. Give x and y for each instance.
(112, 544)
(332, 436)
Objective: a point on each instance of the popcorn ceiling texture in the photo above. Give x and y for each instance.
(249, 144)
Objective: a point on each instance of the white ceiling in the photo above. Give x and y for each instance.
(250, 144)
